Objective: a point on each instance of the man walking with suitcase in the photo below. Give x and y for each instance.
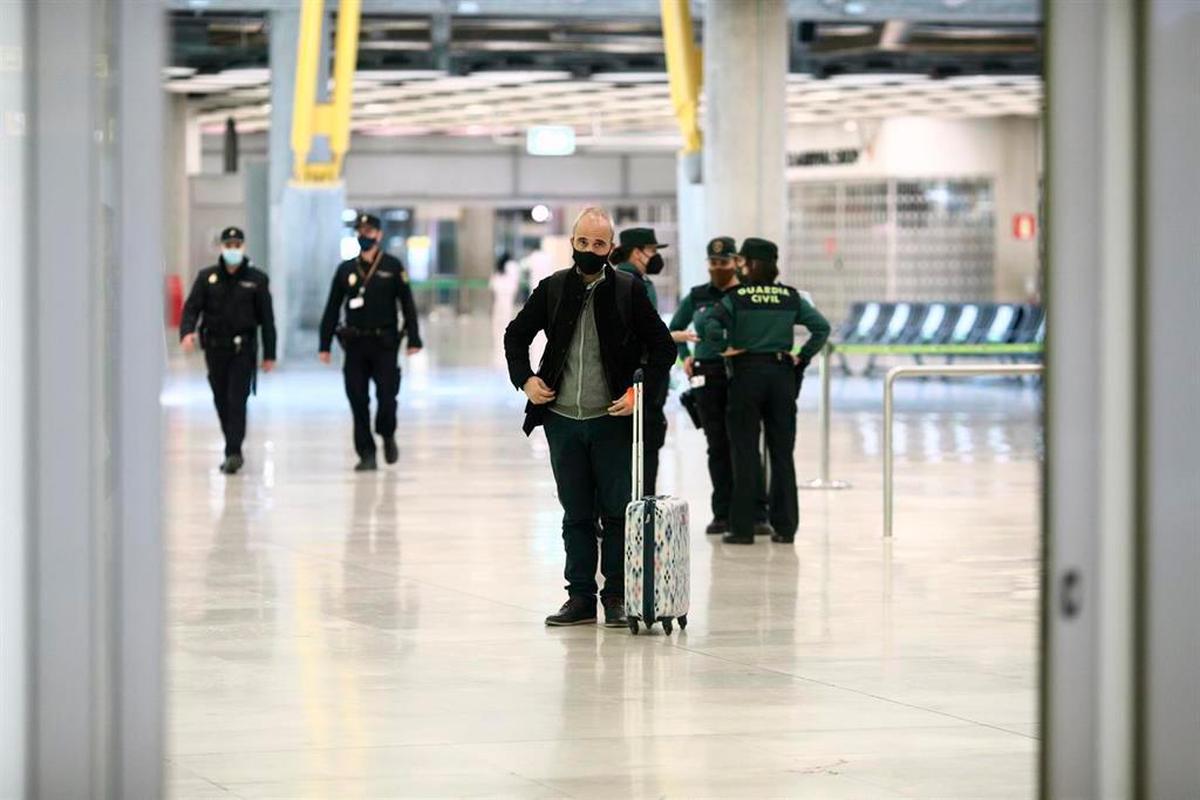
(599, 324)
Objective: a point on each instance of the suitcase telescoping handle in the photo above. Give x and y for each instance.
(638, 466)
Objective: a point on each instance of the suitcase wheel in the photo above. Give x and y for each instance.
(633, 626)
(667, 626)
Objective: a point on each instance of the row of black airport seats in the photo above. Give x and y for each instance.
(938, 323)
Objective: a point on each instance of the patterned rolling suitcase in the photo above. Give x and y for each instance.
(657, 545)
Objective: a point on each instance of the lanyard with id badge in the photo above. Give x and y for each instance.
(362, 280)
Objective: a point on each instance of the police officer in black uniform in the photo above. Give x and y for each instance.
(370, 287)
(230, 301)
(755, 326)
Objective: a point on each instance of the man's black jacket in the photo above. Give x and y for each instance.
(644, 342)
(227, 304)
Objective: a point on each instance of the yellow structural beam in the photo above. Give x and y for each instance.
(310, 118)
(683, 69)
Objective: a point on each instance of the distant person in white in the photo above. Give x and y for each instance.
(503, 284)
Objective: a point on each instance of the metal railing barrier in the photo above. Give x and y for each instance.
(943, 370)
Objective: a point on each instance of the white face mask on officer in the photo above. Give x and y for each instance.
(232, 256)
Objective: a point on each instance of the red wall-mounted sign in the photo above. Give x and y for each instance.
(1024, 226)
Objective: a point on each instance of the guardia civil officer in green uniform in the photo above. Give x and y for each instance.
(227, 305)
(755, 327)
(710, 383)
(637, 254)
(371, 287)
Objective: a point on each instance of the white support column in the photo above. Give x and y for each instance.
(1089, 594)
(1169, 398)
(693, 237)
(745, 128)
(91, 450)
(283, 35)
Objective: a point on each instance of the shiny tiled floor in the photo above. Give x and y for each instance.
(335, 635)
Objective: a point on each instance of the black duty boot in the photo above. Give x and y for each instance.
(366, 464)
(391, 452)
(717, 527)
(764, 529)
(781, 539)
(232, 464)
(578, 610)
(614, 613)
(738, 538)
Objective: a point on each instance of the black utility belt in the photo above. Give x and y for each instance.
(709, 367)
(763, 358)
(351, 332)
(238, 342)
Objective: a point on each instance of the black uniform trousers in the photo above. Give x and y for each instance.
(230, 374)
(762, 394)
(372, 358)
(591, 463)
(655, 433)
(712, 404)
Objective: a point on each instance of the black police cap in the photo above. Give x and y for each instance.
(639, 237)
(368, 221)
(722, 247)
(759, 249)
(233, 234)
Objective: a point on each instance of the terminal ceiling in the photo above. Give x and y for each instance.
(484, 68)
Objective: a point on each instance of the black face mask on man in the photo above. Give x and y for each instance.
(365, 243)
(654, 265)
(587, 262)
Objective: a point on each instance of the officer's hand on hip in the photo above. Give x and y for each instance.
(325, 356)
(681, 337)
(268, 365)
(732, 351)
(412, 351)
(537, 391)
(689, 366)
(623, 407)
(188, 343)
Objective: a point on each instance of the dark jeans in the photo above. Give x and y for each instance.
(763, 395)
(230, 374)
(712, 401)
(372, 358)
(591, 466)
(656, 435)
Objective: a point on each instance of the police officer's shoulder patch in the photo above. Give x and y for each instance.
(353, 279)
(212, 277)
(404, 275)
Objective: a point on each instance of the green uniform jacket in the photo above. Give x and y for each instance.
(695, 309)
(761, 318)
(637, 273)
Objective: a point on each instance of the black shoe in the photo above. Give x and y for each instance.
(614, 613)
(578, 610)
(737, 538)
(366, 464)
(232, 464)
(764, 529)
(781, 539)
(717, 526)
(391, 453)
